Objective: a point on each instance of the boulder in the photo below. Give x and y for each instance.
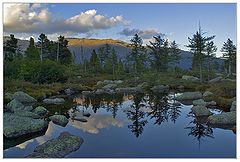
(25, 113)
(160, 88)
(200, 111)
(57, 148)
(110, 86)
(15, 105)
(118, 81)
(55, 101)
(41, 111)
(199, 102)
(69, 91)
(28, 108)
(15, 126)
(233, 106)
(189, 96)
(59, 120)
(108, 82)
(217, 79)
(126, 90)
(190, 78)
(225, 118)
(8, 96)
(207, 93)
(180, 87)
(23, 97)
(87, 92)
(211, 103)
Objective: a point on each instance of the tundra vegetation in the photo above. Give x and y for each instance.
(47, 67)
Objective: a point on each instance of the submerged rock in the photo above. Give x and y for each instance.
(160, 88)
(41, 111)
(225, 118)
(189, 96)
(23, 97)
(200, 111)
(55, 101)
(15, 126)
(233, 106)
(59, 120)
(59, 147)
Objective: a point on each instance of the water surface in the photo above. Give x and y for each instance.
(136, 126)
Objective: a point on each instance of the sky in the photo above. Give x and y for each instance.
(121, 21)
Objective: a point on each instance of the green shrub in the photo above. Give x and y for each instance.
(36, 71)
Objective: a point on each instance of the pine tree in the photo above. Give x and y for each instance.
(229, 52)
(138, 53)
(42, 40)
(10, 48)
(198, 45)
(32, 52)
(174, 54)
(210, 55)
(95, 62)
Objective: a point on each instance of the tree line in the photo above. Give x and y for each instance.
(159, 55)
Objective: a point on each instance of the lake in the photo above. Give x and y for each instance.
(140, 125)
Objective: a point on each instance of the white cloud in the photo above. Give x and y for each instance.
(34, 19)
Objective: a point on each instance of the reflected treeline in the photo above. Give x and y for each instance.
(199, 129)
(136, 115)
(157, 107)
(162, 109)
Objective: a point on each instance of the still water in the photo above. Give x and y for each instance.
(136, 126)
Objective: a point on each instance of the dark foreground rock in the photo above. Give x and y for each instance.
(15, 126)
(225, 118)
(58, 148)
(200, 111)
(59, 120)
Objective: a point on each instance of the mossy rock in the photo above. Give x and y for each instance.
(59, 147)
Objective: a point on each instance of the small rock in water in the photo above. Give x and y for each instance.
(200, 111)
(225, 118)
(57, 148)
(199, 102)
(87, 114)
(59, 120)
(80, 119)
(189, 96)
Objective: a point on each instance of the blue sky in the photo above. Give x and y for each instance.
(174, 21)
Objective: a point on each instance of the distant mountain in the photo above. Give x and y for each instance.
(22, 44)
(121, 48)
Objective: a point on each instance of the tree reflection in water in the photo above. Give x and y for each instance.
(136, 115)
(199, 129)
(162, 110)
